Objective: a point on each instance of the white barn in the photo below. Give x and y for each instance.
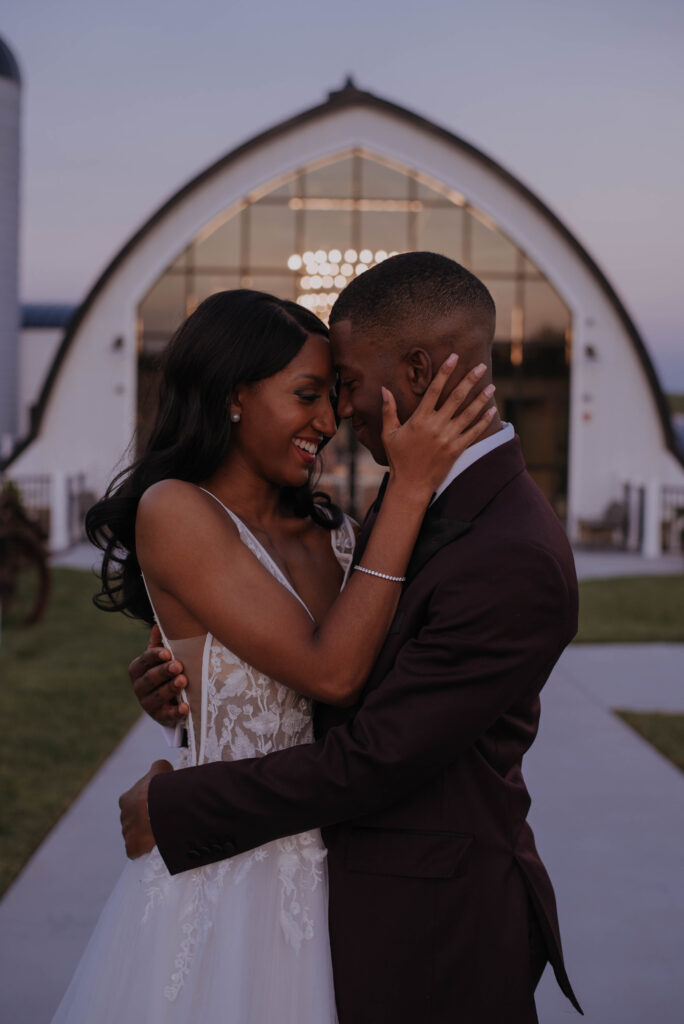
(300, 209)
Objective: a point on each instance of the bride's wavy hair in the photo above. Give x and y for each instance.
(233, 337)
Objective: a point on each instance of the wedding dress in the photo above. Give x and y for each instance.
(241, 941)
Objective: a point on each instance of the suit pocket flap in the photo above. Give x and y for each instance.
(411, 854)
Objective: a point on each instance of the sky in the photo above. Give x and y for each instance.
(584, 102)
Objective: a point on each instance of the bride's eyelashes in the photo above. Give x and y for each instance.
(307, 396)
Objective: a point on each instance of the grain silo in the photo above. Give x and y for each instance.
(10, 96)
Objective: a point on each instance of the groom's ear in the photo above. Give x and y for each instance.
(419, 370)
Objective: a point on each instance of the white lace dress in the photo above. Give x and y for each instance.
(241, 941)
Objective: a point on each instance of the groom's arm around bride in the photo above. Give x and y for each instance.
(440, 907)
(435, 881)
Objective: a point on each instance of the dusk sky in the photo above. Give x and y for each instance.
(584, 102)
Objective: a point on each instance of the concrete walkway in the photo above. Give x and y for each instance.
(593, 564)
(608, 812)
(49, 912)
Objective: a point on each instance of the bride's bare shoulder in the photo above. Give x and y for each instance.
(180, 504)
(161, 494)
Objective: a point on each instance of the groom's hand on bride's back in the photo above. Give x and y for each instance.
(157, 681)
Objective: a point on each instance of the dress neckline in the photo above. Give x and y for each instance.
(276, 570)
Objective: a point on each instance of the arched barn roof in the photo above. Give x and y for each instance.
(350, 96)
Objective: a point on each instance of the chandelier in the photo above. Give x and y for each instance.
(322, 275)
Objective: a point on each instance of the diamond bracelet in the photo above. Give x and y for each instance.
(381, 575)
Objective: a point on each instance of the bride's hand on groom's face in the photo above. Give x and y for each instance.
(135, 820)
(157, 681)
(446, 421)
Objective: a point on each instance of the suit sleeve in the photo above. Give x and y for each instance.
(482, 647)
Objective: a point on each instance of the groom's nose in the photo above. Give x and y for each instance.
(344, 406)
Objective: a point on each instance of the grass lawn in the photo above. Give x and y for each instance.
(664, 731)
(632, 609)
(65, 702)
(65, 699)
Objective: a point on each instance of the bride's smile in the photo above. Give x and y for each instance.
(285, 418)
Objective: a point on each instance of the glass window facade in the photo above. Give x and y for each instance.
(310, 235)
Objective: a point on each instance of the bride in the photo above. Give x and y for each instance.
(217, 534)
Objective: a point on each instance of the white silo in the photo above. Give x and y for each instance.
(10, 96)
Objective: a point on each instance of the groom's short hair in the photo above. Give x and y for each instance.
(415, 286)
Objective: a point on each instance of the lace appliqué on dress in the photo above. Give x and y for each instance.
(245, 714)
(300, 870)
(299, 861)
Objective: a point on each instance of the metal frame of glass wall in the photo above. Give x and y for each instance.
(304, 237)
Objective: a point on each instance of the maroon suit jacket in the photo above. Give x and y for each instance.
(434, 876)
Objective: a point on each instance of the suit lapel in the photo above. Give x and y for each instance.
(454, 512)
(436, 531)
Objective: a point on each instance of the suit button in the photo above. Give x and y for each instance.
(193, 854)
(216, 848)
(229, 848)
(204, 851)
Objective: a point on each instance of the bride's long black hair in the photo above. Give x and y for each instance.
(233, 337)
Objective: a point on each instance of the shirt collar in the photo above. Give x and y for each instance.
(475, 452)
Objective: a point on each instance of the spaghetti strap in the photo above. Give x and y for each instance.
(167, 644)
(236, 519)
(259, 551)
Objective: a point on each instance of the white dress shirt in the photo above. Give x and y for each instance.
(475, 452)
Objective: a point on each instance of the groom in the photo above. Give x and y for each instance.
(440, 907)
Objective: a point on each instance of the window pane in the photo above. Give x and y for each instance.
(381, 182)
(163, 308)
(181, 262)
(425, 192)
(327, 230)
(490, 251)
(441, 230)
(282, 285)
(334, 180)
(288, 190)
(545, 358)
(272, 236)
(387, 231)
(528, 268)
(503, 293)
(222, 247)
(208, 284)
(545, 312)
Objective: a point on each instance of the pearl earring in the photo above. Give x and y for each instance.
(235, 417)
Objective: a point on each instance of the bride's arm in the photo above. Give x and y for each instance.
(189, 547)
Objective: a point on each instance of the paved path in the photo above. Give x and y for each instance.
(48, 914)
(608, 812)
(603, 564)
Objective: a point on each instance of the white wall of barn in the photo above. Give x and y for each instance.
(616, 434)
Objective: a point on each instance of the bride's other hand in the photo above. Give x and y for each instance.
(135, 820)
(158, 680)
(422, 450)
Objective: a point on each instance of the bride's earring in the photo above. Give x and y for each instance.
(235, 417)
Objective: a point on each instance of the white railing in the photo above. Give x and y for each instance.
(672, 520)
(58, 502)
